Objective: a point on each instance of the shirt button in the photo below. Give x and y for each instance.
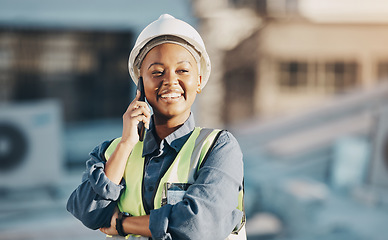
(150, 188)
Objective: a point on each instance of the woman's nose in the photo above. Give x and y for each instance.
(170, 78)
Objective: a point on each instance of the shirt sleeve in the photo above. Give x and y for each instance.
(209, 207)
(94, 200)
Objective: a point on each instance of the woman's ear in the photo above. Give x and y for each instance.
(199, 89)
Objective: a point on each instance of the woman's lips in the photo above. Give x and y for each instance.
(170, 95)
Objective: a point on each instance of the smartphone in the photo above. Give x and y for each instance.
(140, 126)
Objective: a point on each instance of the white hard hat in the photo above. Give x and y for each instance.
(167, 25)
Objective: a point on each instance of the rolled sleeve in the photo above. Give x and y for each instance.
(159, 220)
(94, 200)
(209, 207)
(101, 184)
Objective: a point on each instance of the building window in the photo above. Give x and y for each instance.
(330, 77)
(259, 5)
(239, 95)
(341, 76)
(382, 71)
(293, 74)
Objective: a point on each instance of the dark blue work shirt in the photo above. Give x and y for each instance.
(160, 156)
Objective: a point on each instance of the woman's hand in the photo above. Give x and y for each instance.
(112, 229)
(137, 111)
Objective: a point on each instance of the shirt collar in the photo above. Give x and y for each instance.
(176, 140)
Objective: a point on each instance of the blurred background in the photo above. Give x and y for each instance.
(302, 84)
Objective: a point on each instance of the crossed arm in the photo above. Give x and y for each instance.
(133, 225)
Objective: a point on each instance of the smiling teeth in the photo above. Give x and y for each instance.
(171, 95)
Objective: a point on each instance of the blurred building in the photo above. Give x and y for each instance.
(75, 53)
(83, 68)
(279, 57)
(78, 56)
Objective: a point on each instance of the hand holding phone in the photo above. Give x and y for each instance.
(140, 126)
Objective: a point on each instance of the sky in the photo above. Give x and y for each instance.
(95, 14)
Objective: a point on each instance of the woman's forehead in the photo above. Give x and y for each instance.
(169, 52)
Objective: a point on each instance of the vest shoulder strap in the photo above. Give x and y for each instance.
(203, 146)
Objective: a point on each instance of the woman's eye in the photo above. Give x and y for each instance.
(183, 70)
(157, 73)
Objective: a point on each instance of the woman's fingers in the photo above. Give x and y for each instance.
(145, 120)
(137, 97)
(137, 111)
(141, 109)
(141, 104)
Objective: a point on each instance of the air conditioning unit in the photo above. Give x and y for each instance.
(379, 167)
(30, 144)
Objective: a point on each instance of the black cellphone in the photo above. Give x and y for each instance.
(140, 126)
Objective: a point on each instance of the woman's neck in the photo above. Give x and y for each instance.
(165, 126)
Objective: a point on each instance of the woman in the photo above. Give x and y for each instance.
(181, 182)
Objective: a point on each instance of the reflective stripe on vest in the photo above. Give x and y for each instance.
(180, 171)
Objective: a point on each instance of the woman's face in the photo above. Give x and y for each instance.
(171, 80)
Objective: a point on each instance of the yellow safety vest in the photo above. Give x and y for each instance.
(182, 170)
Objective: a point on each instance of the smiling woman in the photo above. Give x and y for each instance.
(182, 181)
(171, 83)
